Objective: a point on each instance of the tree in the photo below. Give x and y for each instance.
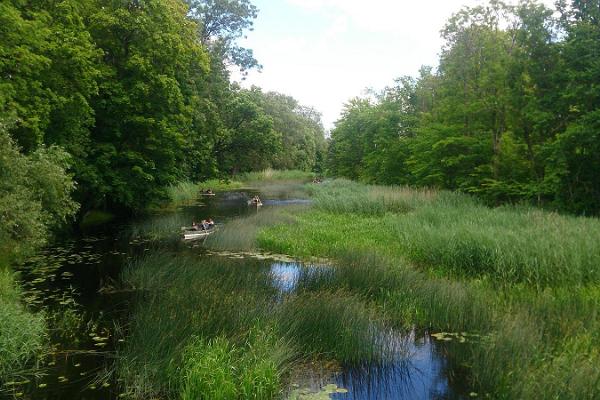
(35, 195)
(222, 23)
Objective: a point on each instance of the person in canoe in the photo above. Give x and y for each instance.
(255, 201)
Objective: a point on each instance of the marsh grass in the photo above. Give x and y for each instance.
(217, 328)
(510, 245)
(334, 324)
(241, 233)
(180, 299)
(183, 192)
(451, 233)
(219, 369)
(157, 227)
(343, 196)
(23, 335)
(526, 281)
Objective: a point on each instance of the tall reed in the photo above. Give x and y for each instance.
(23, 334)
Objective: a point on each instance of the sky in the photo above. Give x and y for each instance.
(325, 52)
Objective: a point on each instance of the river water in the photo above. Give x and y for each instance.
(76, 283)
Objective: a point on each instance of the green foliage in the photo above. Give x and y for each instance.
(217, 369)
(35, 196)
(22, 334)
(335, 325)
(138, 93)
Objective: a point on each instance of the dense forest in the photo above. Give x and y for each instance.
(138, 96)
(512, 112)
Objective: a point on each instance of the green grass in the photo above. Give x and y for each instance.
(336, 325)
(270, 175)
(524, 285)
(217, 328)
(218, 369)
(525, 280)
(451, 233)
(22, 334)
(241, 233)
(183, 300)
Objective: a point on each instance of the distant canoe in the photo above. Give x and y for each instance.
(207, 194)
(255, 203)
(191, 235)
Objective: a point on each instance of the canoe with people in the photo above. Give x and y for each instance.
(207, 192)
(199, 230)
(255, 201)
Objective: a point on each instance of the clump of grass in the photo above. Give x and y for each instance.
(571, 374)
(336, 325)
(183, 192)
(219, 369)
(405, 297)
(22, 334)
(241, 233)
(157, 227)
(509, 245)
(343, 196)
(184, 298)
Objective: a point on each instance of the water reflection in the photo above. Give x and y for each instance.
(416, 368)
(419, 376)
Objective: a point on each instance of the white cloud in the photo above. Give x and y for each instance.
(363, 44)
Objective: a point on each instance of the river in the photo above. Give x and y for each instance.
(77, 284)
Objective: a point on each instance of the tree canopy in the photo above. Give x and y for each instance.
(138, 94)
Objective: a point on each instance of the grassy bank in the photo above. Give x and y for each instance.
(22, 334)
(527, 282)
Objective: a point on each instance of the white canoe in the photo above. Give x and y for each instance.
(254, 203)
(190, 235)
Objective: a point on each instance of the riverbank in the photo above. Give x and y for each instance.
(23, 334)
(523, 281)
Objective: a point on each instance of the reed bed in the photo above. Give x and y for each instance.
(157, 227)
(524, 282)
(337, 325)
(344, 196)
(451, 233)
(23, 335)
(183, 302)
(269, 175)
(206, 328)
(241, 233)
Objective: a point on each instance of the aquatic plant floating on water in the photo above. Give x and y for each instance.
(324, 394)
